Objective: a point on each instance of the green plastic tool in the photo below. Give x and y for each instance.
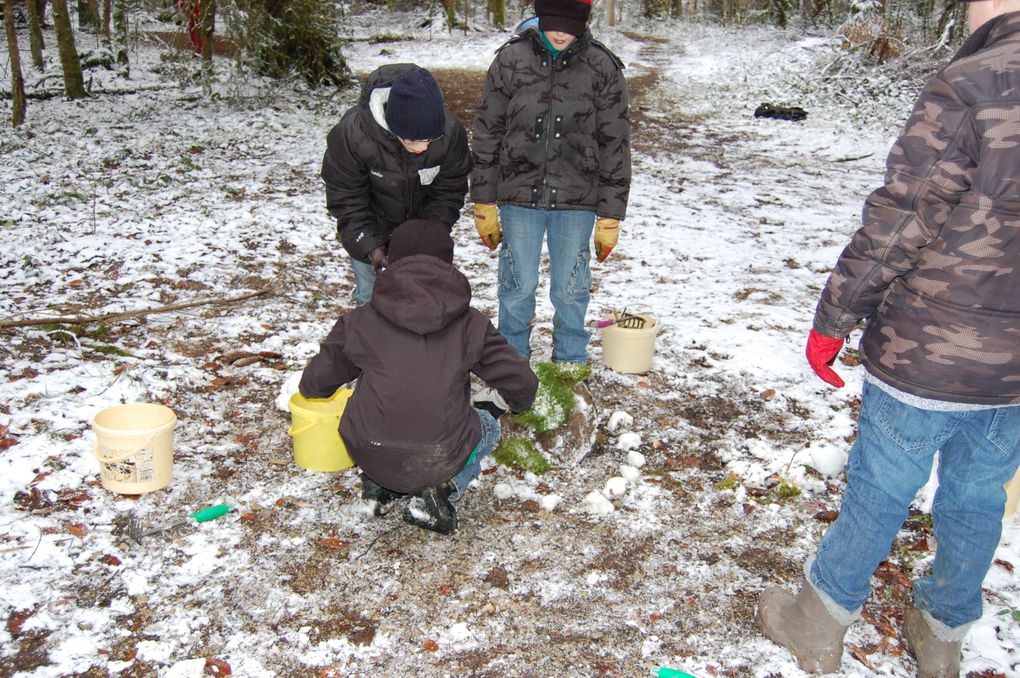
(199, 516)
(674, 673)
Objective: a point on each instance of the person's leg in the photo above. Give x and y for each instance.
(490, 436)
(519, 255)
(569, 241)
(890, 460)
(364, 281)
(967, 515)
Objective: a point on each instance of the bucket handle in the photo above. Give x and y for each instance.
(294, 432)
(123, 456)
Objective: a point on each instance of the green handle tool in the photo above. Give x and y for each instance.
(673, 673)
(199, 516)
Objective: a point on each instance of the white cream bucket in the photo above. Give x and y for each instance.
(134, 446)
(630, 349)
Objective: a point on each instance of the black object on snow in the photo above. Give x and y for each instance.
(794, 113)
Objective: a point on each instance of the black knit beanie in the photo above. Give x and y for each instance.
(418, 236)
(414, 110)
(565, 16)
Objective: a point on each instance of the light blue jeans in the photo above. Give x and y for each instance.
(568, 233)
(490, 436)
(364, 281)
(890, 460)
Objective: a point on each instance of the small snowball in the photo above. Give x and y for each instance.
(503, 491)
(549, 502)
(635, 459)
(619, 420)
(630, 474)
(629, 441)
(616, 486)
(595, 502)
(827, 459)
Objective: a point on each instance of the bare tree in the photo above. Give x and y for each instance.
(17, 81)
(120, 33)
(88, 15)
(74, 85)
(35, 37)
(107, 18)
(207, 27)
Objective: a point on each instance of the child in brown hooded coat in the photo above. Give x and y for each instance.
(410, 425)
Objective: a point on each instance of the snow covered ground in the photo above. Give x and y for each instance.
(159, 195)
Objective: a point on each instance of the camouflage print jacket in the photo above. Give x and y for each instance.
(935, 268)
(553, 134)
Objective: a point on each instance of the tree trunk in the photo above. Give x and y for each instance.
(497, 12)
(107, 17)
(120, 33)
(88, 15)
(35, 36)
(611, 12)
(450, 7)
(17, 82)
(74, 86)
(208, 27)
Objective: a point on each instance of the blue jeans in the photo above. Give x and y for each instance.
(890, 460)
(490, 436)
(568, 233)
(364, 281)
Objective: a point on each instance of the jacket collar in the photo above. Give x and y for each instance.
(529, 29)
(991, 32)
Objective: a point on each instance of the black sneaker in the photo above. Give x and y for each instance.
(431, 509)
(382, 497)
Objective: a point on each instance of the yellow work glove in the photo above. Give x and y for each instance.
(487, 224)
(607, 233)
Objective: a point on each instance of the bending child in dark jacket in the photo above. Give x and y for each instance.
(410, 425)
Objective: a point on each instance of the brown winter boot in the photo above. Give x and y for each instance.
(935, 658)
(802, 625)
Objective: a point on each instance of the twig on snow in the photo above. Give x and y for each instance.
(108, 317)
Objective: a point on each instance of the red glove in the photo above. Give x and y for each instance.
(821, 353)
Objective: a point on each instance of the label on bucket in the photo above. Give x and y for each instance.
(138, 468)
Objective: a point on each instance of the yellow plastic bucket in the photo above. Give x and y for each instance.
(315, 424)
(134, 446)
(629, 349)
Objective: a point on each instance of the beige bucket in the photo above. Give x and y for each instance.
(134, 446)
(630, 349)
(315, 428)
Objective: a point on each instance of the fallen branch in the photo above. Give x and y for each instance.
(110, 317)
(853, 157)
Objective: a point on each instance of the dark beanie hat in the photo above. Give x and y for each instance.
(565, 16)
(418, 236)
(414, 110)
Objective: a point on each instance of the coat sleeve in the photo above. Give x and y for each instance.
(612, 101)
(446, 195)
(929, 168)
(489, 130)
(330, 368)
(348, 198)
(502, 368)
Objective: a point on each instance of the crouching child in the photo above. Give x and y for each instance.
(410, 425)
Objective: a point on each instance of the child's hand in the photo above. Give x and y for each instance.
(379, 259)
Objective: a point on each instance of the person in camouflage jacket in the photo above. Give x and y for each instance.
(551, 149)
(934, 273)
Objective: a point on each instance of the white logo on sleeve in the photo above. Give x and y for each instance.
(428, 175)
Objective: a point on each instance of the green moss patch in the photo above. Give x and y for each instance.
(522, 454)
